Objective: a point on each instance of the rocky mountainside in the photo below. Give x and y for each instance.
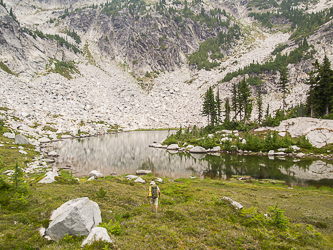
(87, 65)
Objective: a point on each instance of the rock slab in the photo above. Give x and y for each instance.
(74, 217)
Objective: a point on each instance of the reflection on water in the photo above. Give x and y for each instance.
(125, 153)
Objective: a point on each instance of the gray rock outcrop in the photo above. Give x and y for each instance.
(75, 217)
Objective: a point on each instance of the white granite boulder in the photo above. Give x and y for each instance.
(97, 234)
(52, 154)
(140, 180)
(130, 177)
(143, 172)
(96, 174)
(49, 177)
(44, 140)
(173, 147)
(75, 217)
(198, 150)
(9, 135)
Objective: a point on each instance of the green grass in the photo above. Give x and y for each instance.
(191, 215)
(66, 69)
(5, 68)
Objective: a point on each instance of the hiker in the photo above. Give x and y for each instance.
(153, 194)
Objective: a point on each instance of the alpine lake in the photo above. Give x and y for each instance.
(125, 153)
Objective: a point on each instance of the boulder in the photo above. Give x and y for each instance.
(159, 180)
(143, 172)
(216, 149)
(198, 150)
(270, 152)
(91, 178)
(21, 139)
(173, 147)
(140, 180)
(97, 234)
(44, 140)
(75, 217)
(66, 136)
(320, 137)
(233, 203)
(22, 152)
(96, 174)
(9, 135)
(52, 154)
(49, 177)
(130, 177)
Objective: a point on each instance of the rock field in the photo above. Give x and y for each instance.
(105, 93)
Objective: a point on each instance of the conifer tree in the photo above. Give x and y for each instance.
(234, 99)
(284, 86)
(227, 111)
(259, 104)
(218, 107)
(245, 102)
(209, 106)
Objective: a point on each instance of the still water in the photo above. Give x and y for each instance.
(124, 153)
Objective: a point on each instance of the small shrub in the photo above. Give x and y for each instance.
(101, 193)
(147, 74)
(18, 202)
(278, 219)
(111, 227)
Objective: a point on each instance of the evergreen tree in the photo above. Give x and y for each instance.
(218, 107)
(311, 93)
(209, 106)
(234, 99)
(259, 104)
(227, 111)
(284, 85)
(245, 102)
(325, 82)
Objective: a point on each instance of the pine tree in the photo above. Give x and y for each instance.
(209, 106)
(245, 102)
(227, 111)
(234, 100)
(218, 106)
(284, 85)
(325, 82)
(259, 104)
(311, 93)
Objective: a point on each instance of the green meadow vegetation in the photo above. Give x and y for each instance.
(192, 215)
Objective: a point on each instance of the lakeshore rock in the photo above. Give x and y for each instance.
(21, 139)
(96, 174)
(97, 234)
(173, 147)
(143, 172)
(198, 150)
(75, 217)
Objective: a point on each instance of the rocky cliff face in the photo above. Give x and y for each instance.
(116, 49)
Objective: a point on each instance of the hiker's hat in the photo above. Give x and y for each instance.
(152, 183)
